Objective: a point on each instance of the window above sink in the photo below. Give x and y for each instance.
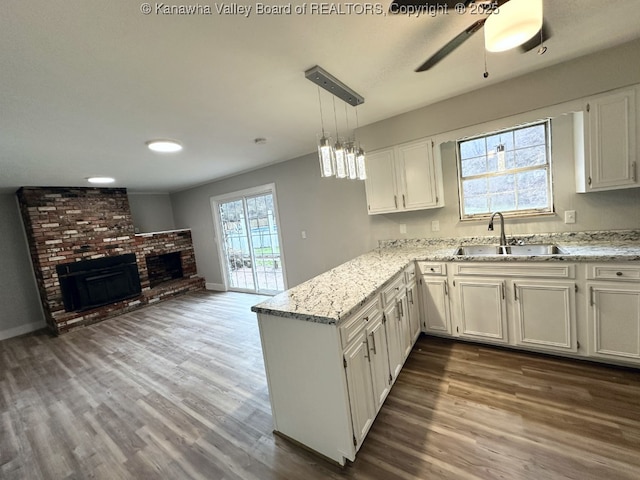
(507, 170)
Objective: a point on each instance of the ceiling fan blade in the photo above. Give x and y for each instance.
(536, 40)
(451, 46)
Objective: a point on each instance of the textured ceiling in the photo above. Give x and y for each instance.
(84, 84)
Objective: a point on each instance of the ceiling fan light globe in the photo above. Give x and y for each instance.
(513, 24)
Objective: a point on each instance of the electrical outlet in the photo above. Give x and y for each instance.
(303, 234)
(570, 216)
(403, 228)
(435, 226)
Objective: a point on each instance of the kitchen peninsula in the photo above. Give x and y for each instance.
(334, 345)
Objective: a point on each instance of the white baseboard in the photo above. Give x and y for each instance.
(21, 330)
(218, 287)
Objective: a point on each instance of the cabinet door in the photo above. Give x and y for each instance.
(416, 171)
(381, 182)
(614, 321)
(414, 310)
(612, 141)
(406, 337)
(481, 308)
(359, 386)
(378, 353)
(435, 305)
(545, 314)
(393, 328)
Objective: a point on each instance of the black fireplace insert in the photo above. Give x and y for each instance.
(93, 283)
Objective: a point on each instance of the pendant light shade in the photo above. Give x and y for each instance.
(512, 24)
(360, 166)
(351, 162)
(340, 157)
(325, 154)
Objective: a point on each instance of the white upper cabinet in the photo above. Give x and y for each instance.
(607, 130)
(403, 178)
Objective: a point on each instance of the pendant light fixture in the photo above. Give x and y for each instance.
(339, 150)
(342, 159)
(325, 149)
(515, 23)
(360, 164)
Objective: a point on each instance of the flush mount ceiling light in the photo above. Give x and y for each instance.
(512, 24)
(164, 146)
(100, 179)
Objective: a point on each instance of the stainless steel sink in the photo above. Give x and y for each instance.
(531, 250)
(524, 250)
(478, 250)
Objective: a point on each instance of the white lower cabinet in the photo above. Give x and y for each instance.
(614, 312)
(529, 305)
(394, 339)
(481, 309)
(413, 301)
(378, 360)
(434, 298)
(545, 314)
(360, 386)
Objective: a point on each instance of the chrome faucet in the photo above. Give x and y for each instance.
(503, 238)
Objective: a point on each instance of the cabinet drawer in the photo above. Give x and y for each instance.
(430, 268)
(410, 274)
(359, 320)
(392, 290)
(614, 272)
(516, 269)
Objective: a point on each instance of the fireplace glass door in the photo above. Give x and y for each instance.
(250, 243)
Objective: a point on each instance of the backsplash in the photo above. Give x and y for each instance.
(609, 236)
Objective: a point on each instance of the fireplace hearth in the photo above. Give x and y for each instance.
(93, 283)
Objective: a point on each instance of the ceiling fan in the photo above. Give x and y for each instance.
(486, 9)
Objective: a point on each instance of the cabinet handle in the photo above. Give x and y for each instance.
(633, 171)
(404, 203)
(366, 343)
(446, 288)
(619, 274)
(591, 303)
(515, 291)
(401, 308)
(410, 293)
(502, 288)
(373, 340)
(395, 200)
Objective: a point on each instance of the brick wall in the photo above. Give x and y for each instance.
(70, 224)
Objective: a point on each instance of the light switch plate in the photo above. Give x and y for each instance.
(303, 234)
(570, 216)
(403, 228)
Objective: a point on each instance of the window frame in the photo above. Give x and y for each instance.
(548, 166)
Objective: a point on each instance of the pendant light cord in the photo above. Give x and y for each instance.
(321, 117)
(335, 118)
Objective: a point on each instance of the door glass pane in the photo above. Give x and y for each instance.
(264, 239)
(236, 245)
(251, 245)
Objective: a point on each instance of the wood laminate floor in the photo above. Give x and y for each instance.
(178, 391)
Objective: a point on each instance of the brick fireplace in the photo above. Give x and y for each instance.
(89, 264)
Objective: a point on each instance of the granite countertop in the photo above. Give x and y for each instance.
(334, 295)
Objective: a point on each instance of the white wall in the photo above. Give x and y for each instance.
(151, 212)
(334, 212)
(21, 310)
(329, 210)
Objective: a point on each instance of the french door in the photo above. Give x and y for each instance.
(250, 241)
